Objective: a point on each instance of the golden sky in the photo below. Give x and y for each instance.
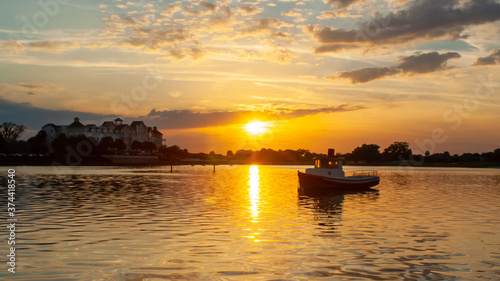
(318, 74)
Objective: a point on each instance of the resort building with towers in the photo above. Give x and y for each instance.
(136, 131)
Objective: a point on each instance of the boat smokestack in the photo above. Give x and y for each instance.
(331, 152)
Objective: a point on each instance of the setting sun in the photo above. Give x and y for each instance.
(256, 128)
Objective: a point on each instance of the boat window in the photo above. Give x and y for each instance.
(325, 163)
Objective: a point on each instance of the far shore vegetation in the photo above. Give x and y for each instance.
(66, 150)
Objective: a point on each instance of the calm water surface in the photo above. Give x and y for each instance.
(248, 223)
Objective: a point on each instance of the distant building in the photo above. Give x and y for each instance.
(137, 131)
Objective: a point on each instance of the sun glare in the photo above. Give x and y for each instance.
(256, 128)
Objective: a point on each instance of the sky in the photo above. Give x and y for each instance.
(316, 74)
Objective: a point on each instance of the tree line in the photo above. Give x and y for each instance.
(366, 154)
(400, 151)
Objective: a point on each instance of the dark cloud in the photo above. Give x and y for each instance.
(492, 59)
(209, 6)
(425, 63)
(261, 25)
(34, 117)
(368, 74)
(333, 48)
(179, 119)
(206, 7)
(343, 3)
(426, 20)
(416, 64)
(223, 16)
(249, 10)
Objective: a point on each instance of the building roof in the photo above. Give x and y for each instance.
(51, 125)
(121, 127)
(108, 124)
(137, 123)
(155, 131)
(76, 125)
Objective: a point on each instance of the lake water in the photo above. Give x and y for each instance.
(248, 223)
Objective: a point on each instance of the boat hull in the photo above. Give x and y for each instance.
(313, 184)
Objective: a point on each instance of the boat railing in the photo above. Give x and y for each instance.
(361, 173)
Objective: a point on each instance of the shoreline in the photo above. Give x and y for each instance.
(105, 162)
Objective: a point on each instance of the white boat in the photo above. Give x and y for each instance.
(328, 176)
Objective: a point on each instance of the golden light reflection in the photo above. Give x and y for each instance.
(254, 191)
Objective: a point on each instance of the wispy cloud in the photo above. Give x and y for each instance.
(13, 47)
(267, 26)
(31, 85)
(51, 46)
(283, 56)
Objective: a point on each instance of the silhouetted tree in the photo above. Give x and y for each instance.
(3, 144)
(10, 131)
(367, 152)
(119, 145)
(104, 145)
(172, 153)
(37, 143)
(305, 154)
(243, 155)
(212, 156)
(136, 145)
(229, 153)
(18, 147)
(59, 145)
(496, 154)
(455, 158)
(149, 146)
(446, 156)
(81, 145)
(471, 157)
(397, 151)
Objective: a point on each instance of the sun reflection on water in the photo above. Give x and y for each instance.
(254, 191)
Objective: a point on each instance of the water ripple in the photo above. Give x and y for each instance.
(248, 223)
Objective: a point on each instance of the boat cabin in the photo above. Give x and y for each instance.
(330, 166)
(328, 163)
